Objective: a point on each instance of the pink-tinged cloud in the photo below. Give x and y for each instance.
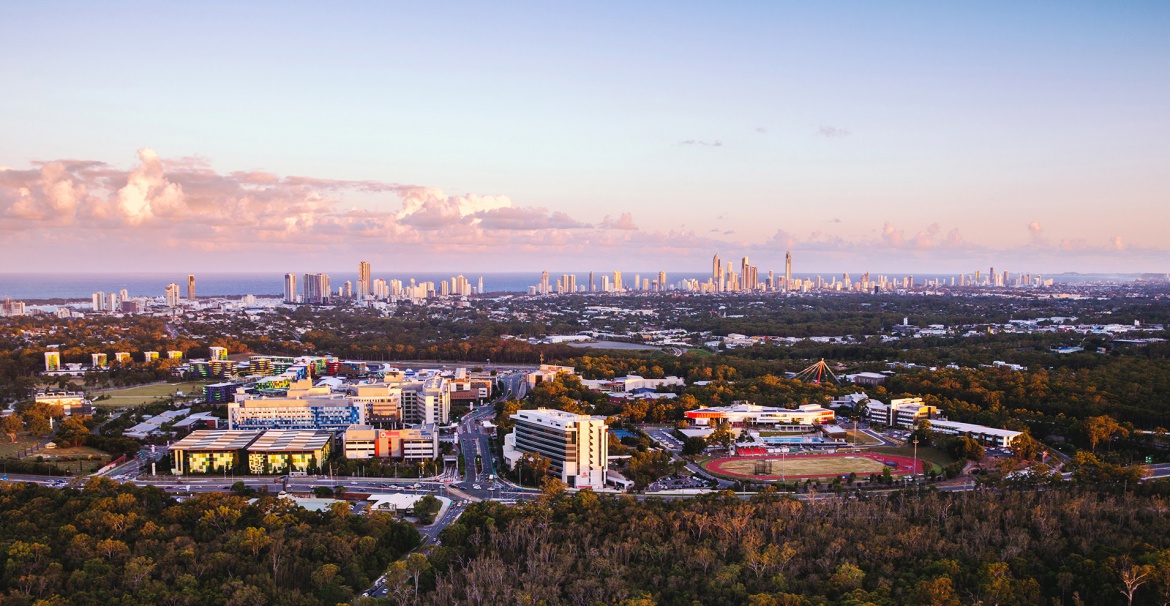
(625, 221)
(1037, 233)
(185, 205)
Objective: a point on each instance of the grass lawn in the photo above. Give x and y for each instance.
(939, 457)
(145, 394)
(65, 453)
(9, 449)
(835, 466)
(863, 439)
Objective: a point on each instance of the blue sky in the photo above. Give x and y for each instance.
(897, 136)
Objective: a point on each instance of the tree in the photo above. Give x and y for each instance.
(693, 446)
(37, 423)
(963, 447)
(924, 433)
(1132, 576)
(1026, 448)
(416, 564)
(72, 432)
(1102, 428)
(11, 425)
(426, 508)
(722, 436)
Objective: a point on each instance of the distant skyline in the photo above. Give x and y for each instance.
(893, 138)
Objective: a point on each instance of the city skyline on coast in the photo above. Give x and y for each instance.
(898, 138)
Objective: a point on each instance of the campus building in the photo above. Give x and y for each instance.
(745, 413)
(282, 451)
(576, 445)
(207, 451)
(902, 412)
(382, 402)
(71, 402)
(546, 372)
(413, 444)
(426, 402)
(332, 413)
(1001, 438)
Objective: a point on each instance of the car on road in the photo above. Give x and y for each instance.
(477, 486)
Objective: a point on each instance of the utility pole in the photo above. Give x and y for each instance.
(915, 455)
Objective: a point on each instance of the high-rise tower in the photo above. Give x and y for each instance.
(290, 288)
(787, 270)
(364, 283)
(190, 287)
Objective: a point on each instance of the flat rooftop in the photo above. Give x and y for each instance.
(214, 440)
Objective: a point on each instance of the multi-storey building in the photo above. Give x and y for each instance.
(333, 413)
(413, 444)
(426, 402)
(902, 412)
(744, 413)
(576, 446)
(208, 451)
(382, 401)
(290, 288)
(283, 451)
(172, 295)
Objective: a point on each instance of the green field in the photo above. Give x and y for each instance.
(940, 458)
(145, 394)
(863, 439)
(9, 449)
(806, 467)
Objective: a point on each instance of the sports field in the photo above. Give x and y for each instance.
(145, 394)
(810, 466)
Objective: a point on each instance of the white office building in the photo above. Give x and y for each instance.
(577, 445)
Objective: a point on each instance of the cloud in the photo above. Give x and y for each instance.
(715, 143)
(834, 220)
(1117, 243)
(625, 221)
(833, 132)
(1037, 233)
(761, 130)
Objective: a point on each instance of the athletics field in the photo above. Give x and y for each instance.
(802, 466)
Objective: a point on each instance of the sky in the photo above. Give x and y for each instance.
(885, 137)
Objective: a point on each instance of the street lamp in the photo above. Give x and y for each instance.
(915, 455)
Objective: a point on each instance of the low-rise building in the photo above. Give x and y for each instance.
(745, 413)
(546, 372)
(410, 444)
(71, 402)
(284, 451)
(1001, 438)
(208, 451)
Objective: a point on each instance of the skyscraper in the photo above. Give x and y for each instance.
(717, 274)
(316, 289)
(190, 287)
(661, 280)
(172, 296)
(788, 270)
(592, 284)
(364, 284)
(479, 288)
(290, 288)
(544, 282)
(617, 281)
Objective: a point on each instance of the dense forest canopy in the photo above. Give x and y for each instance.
(111, 543)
